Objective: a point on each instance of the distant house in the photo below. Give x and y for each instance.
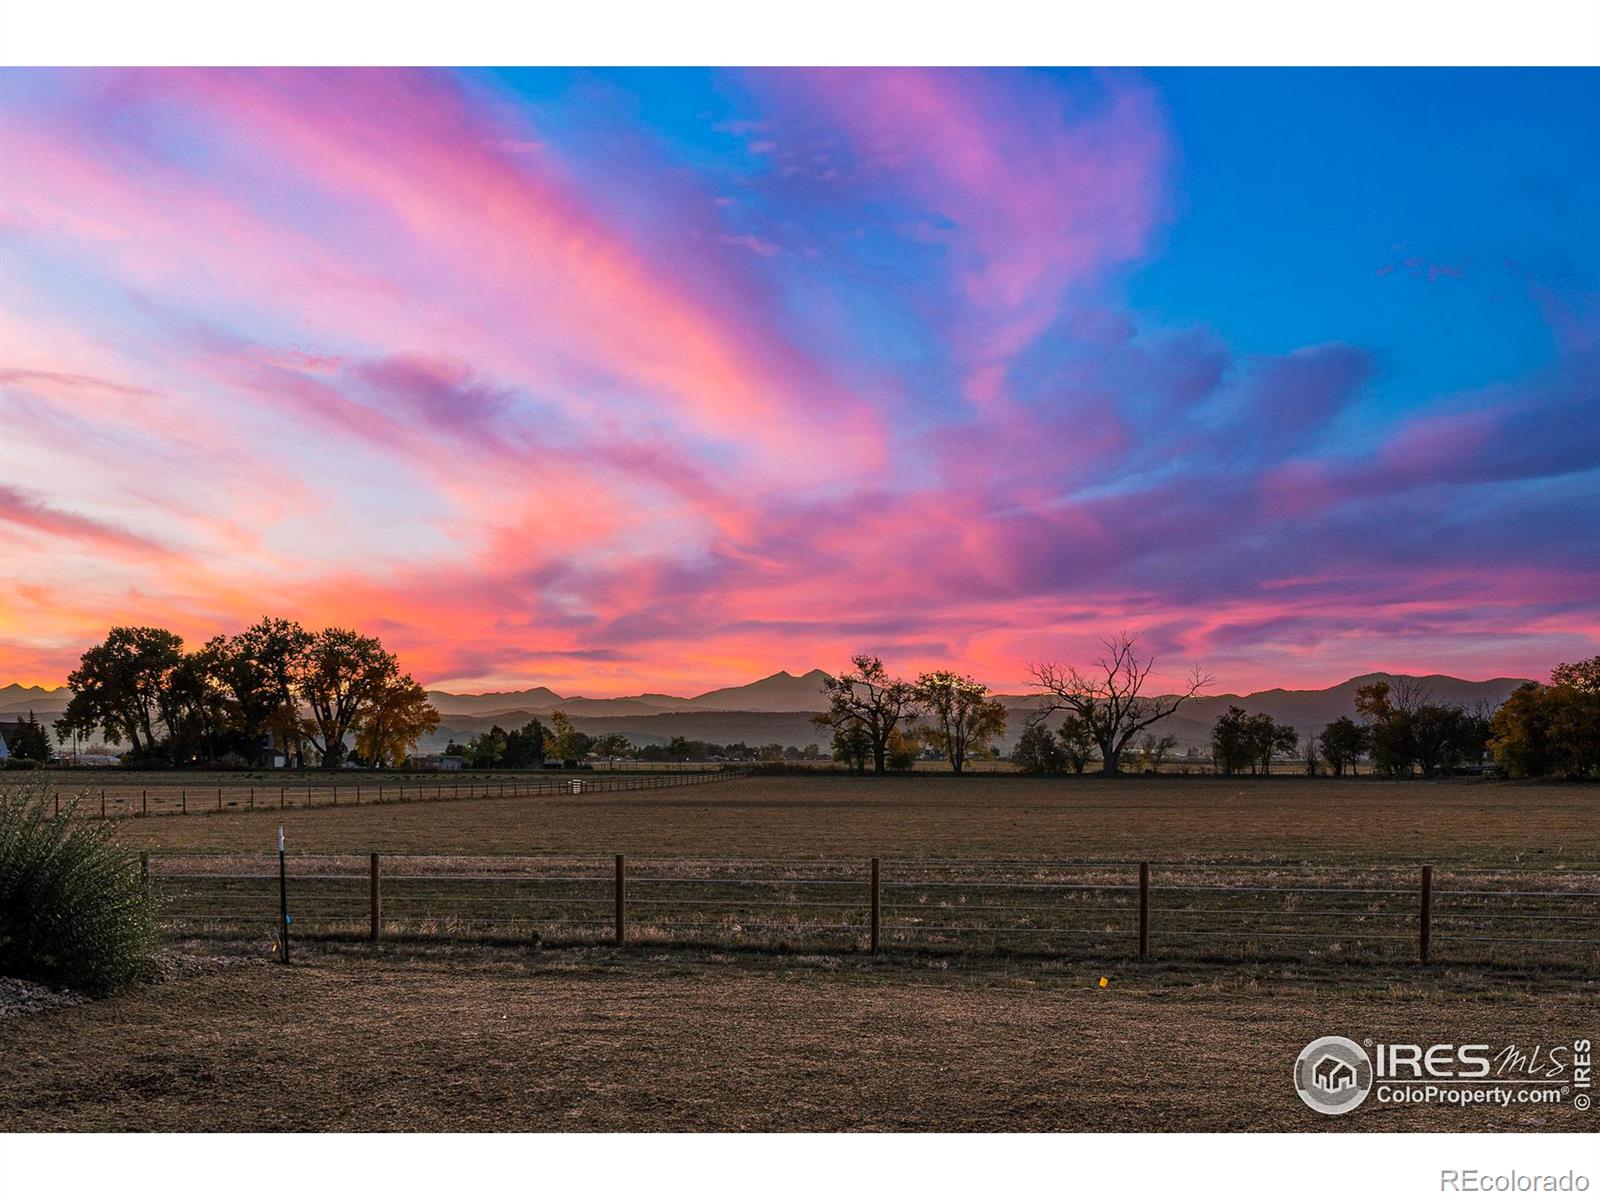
(437, 762)
(9, 731)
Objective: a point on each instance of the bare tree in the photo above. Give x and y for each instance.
(1108, 697)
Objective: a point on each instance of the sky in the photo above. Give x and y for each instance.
(664, 380)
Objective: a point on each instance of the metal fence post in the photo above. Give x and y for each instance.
(219, 799)
(184, 800)
(144, 803)
(877, 905)
(377, 901)
(622, 901)
(1144, 909)
(283, 901)
(1425, 929)
(102, 803)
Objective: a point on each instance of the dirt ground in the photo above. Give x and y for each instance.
(608, 1041)
(1464, 821)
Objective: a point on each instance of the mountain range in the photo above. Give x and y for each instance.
(779, 707)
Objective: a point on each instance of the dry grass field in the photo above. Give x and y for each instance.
(1157, 818)
(448, 1035)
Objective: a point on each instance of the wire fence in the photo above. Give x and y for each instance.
(116, 802)
(1084, 910)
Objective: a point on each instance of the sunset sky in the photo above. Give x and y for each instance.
(666, 380)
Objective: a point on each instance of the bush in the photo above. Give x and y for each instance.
(73, 910)
(13, 763)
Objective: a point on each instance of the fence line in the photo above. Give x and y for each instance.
(192, 801)
(1172, 912)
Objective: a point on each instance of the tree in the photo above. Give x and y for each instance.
(1443, 736)
(965, 718)
(564, 741)
(1267, 739)
(1390, 711)
(1231, 746)
(1581, 677)
(339, 675)
(1552, 730)
(869, 698)
(1342, 743)
(525, 747)
(1153, 750)
(196, 709)
(120, 688)
(612, 745)
(1240, 740)
(1109, 696)
(901, 752)
(258, 668)
(487, 749)
(1077, 743)
(394, 724)
(30, 739)
(1037, 752)
(852, 745)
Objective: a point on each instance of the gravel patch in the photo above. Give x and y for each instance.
(21, 996)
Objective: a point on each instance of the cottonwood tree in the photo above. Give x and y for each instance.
(395, 722)
(340, 674)
(1108, 697)
(1552, 730)
(121, 687)
(963, 717)
(868, 698)
(1342, 742)
(258, 668)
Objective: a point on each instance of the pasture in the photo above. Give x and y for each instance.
(737, 1007)
(1470, 822)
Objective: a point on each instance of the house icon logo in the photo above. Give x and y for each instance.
(1333, 1075)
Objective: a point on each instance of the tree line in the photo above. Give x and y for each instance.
(336, 694)
(885, 721)
(533, 744)
(321, 695)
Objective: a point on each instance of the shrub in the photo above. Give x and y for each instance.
(73, 910)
